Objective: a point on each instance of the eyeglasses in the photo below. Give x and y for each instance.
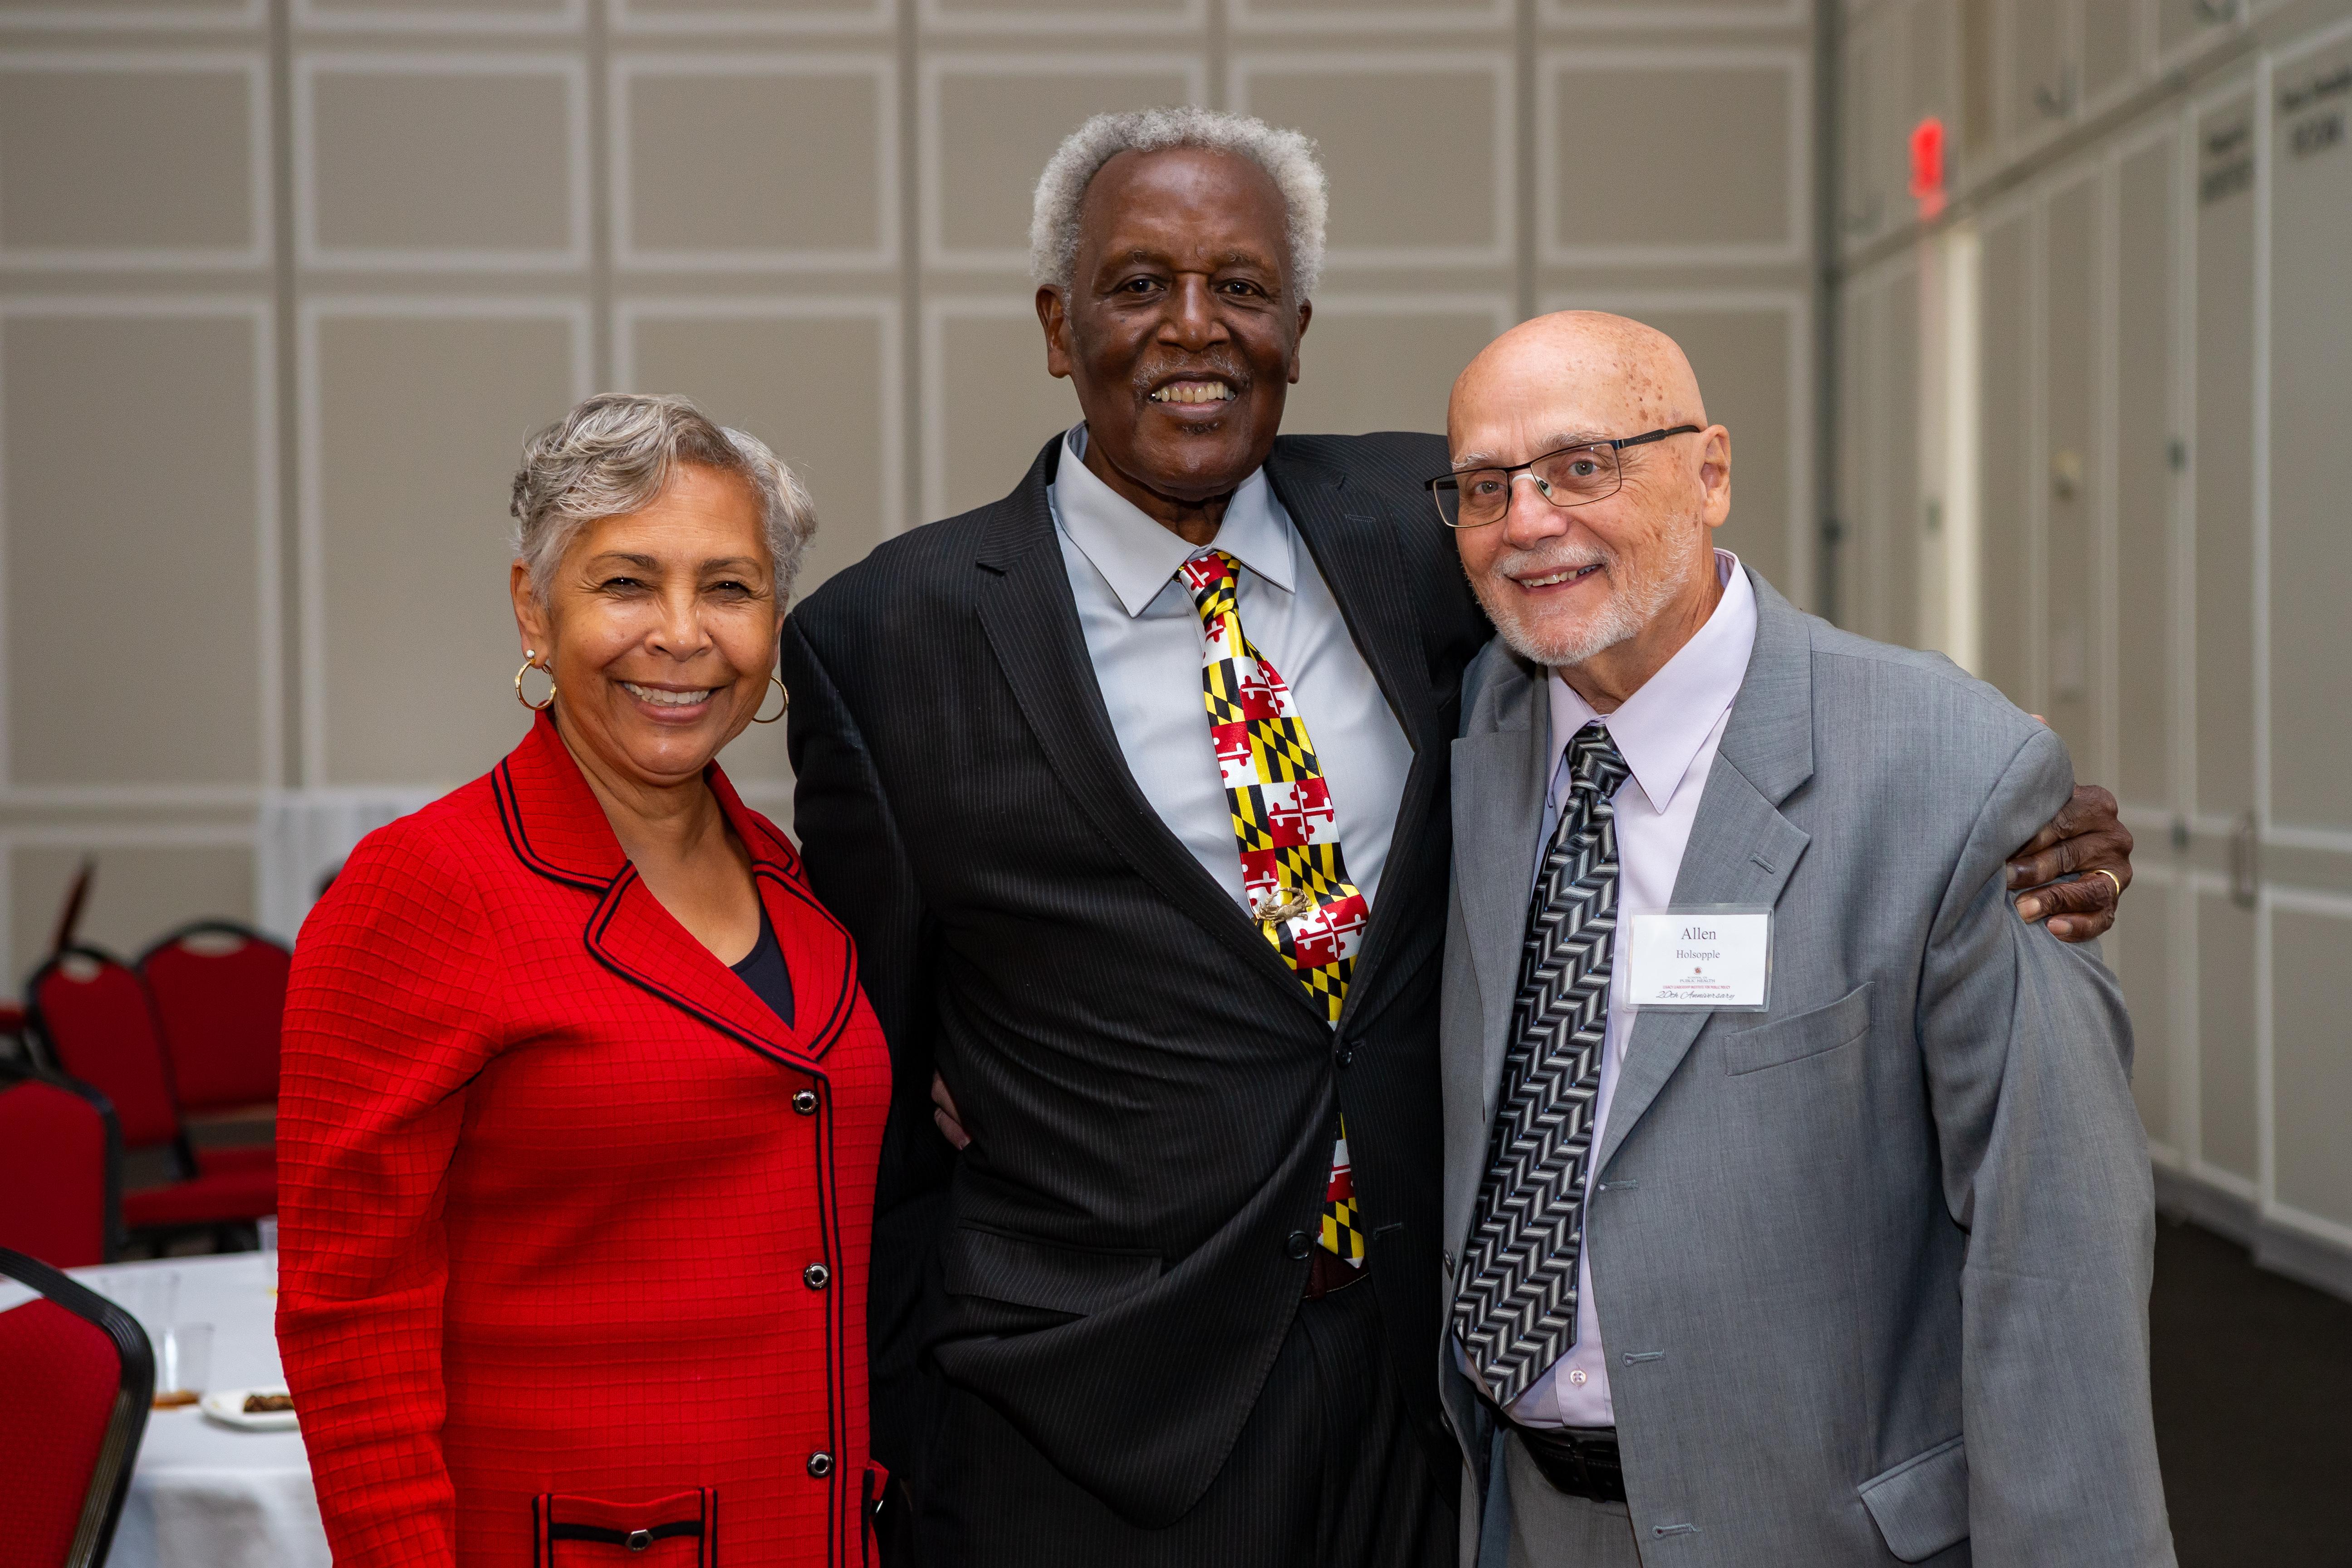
(1573, 476)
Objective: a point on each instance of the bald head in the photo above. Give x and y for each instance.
(1621, 376)
(1599, 563)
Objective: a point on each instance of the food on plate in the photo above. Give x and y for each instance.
(267, 1404)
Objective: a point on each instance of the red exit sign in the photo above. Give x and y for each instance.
(1928, 164)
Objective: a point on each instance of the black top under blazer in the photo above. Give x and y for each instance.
(1151, 1096)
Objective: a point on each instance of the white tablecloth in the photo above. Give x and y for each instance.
(204, 1495)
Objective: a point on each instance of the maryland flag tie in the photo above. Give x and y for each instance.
(1292, 872)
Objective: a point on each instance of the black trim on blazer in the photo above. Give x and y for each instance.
(546, 1530)
(502, 788)
(819, 1040)
(780, 866)
(597, 1533)
(780, 871)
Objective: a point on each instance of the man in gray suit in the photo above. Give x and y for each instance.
(1796, 1207)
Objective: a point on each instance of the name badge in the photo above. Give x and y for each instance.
(1712, 958)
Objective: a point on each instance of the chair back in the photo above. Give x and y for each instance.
(60, 1170)
(76, 1375)
(92, 1015)
(220, 992)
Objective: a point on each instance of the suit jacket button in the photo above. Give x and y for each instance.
(820, 1465)
(1347, 1054)
(805, 1102)
(1298, 1246)
(816, 1277)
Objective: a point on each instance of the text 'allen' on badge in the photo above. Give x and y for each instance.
(1718, 957)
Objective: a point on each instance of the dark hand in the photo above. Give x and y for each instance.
(2086, 837)
(951, 1125)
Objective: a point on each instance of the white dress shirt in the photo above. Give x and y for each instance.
(1668, 733)
(1144, 638)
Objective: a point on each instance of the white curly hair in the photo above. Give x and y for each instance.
(1287, 155)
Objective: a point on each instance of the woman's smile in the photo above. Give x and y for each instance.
(671, 704)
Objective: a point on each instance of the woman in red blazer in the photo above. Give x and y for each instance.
(581, 1102)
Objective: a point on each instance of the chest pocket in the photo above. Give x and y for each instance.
(1808, 1034)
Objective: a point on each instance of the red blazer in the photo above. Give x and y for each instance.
(573, 1232)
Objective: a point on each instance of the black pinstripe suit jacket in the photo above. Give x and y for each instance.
(1151, 1096)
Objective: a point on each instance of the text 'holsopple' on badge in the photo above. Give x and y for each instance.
(1716, 957)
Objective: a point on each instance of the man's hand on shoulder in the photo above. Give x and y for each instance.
(2085, 839)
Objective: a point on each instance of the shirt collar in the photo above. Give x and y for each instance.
(1659, 728)
(1137, 556)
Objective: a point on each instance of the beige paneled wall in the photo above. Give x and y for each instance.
(2163, 203)
(411, 411)
(284, 283)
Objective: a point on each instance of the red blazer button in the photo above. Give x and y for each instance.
(816, 1277)
(805, 1102)
(820, 1465)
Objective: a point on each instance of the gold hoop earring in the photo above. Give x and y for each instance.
(529, 663)
(787, 696)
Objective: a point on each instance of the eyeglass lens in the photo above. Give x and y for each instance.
(1577, 477)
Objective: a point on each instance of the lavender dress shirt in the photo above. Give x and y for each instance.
(1668, 733)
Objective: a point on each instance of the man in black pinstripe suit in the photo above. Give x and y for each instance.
(1116, 1327)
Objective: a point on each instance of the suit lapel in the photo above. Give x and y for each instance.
(1498, 793)
(1032, 624)
(1741, 849)
(1343, 530)
(556, 825)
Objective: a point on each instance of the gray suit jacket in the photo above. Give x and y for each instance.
(1871, 1267)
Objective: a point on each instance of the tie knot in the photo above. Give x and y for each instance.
(1595, 764)
(1205, 574)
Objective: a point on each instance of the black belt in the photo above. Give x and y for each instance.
(1580, 1461)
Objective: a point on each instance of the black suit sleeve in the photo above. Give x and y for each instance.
(860, 869)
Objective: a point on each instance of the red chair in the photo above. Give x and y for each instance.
(96, 1023)
(76, 1375)
(60, 1170)
(220, 991)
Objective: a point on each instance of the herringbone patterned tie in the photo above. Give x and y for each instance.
(1515, 1308)
(1287, 831)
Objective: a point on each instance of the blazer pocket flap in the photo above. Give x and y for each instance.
(1040, 1274)
(673, 1532)
(1807, 1033)
(1921, 1506)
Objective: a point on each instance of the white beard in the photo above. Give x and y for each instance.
(1632, 604)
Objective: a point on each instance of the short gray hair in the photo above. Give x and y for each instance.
(612, 455)
(1285, 156)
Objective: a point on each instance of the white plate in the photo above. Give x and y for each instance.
(226, 1405)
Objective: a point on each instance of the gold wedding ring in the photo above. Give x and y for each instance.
(2110, 876)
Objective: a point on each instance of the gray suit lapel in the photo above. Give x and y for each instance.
(1741, 849)
(1498, 794)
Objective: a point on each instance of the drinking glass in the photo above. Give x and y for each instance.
(184, 1365)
